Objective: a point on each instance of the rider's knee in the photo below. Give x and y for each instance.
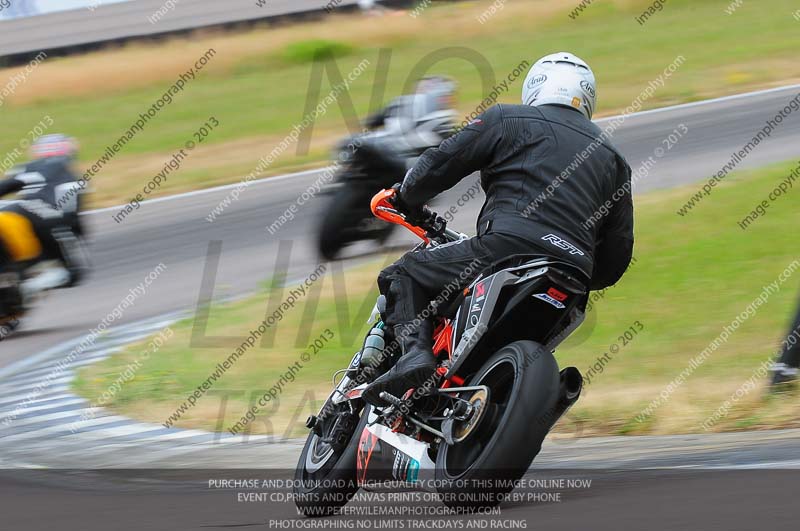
(389, 275)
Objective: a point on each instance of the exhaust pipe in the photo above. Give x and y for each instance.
(569, 390)
(571, 385)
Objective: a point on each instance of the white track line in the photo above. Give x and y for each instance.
(71, 400)
(42, 373)
(33, 384)
(12, 403)
(183, 195)
(37, 358)
(49, 430)
(720, 99)
(76, 412)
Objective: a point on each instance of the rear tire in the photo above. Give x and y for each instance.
(479, 471)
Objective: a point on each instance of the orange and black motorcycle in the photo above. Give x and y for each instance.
(498, 394)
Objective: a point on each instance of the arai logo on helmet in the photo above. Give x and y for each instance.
(585, 85)
(537, 80)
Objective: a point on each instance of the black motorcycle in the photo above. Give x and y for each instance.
(473, 432)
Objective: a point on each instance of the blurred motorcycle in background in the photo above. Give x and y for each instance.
(380, 156)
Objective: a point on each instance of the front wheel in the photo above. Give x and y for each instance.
(12, 307)
(348, 219)
(479, 471)
(325, 477)
(348, 208)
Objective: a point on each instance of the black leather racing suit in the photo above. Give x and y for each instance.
(523, 154)
(50, 198)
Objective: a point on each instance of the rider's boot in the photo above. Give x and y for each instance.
(415, 368)
(75, 255)
(51, 278)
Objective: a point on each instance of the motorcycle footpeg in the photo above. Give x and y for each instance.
(393, 400)
(396, 409)
(313, 423)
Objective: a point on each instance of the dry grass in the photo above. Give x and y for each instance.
(608, 409)
(214, 164)
(119, 82)
(142, 64)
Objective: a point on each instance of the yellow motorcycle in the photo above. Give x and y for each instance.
(20, 248)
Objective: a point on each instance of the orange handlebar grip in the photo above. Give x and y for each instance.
(383, 209)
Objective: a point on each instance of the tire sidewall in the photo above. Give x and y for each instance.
(343, 470)
(341, 216)
(522, 429)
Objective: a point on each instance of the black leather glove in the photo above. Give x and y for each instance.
(409, 211)
(414, 215)
(419, 216)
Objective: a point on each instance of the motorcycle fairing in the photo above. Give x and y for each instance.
(510, 303)
(18, 237)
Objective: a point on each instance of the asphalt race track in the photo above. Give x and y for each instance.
(731, 482)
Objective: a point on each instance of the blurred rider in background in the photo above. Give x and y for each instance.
(49, 198)
(380, 155)
(785, 370)
(415, 122)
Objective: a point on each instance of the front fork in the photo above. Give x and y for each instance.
(370, 358)
(350, 386)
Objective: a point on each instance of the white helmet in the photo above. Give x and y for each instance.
(562, 79)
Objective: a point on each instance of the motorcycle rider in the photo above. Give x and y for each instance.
(49, 198)
(786, 369)
(520, 150)
(379, 156)
(415, 122)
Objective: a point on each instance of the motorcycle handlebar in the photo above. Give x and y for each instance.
(383, 208)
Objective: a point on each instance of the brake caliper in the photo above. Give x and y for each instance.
(342, 430)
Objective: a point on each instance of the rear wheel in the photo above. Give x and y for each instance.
(482, 468)
(325, 477)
